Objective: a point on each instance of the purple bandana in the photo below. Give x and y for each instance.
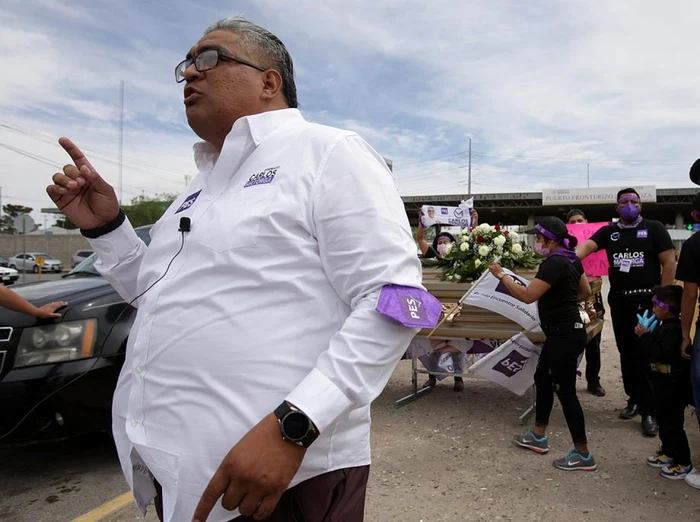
(409, 306)
(568, 252)
(663, 305)
(634, 224)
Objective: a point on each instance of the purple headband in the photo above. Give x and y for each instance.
(630, 199)
(663, 305)
(546, 233)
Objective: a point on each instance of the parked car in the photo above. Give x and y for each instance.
(80, 256)
(28, 262)
(8, 275)
(3, 261)
(68, 356)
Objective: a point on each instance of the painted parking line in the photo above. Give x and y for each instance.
(106, 509)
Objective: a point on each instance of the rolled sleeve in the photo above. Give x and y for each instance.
(365, 243)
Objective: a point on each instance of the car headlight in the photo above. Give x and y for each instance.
(52, 343)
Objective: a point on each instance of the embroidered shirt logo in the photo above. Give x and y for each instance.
(642, 233)
(262, 178)
(188, 202)
(615, 236)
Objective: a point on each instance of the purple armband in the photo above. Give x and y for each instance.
(409, 306)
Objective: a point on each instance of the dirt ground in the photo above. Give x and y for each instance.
(449, 457)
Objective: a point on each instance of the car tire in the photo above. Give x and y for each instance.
(35, 269)
(13, 267)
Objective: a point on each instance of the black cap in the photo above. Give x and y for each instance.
(696, 202)
(551, 224)
(695, 172)
(575, 212)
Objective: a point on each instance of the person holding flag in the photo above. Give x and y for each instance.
(559, 285)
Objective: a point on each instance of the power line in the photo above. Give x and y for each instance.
(94, 152)
(578, 160)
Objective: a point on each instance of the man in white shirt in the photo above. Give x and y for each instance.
(258, 345)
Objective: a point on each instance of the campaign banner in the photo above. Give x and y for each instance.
(453, 216)
(492, 294)
(511, 365)
(597, 263)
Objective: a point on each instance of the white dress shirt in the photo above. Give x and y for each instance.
(296, 227)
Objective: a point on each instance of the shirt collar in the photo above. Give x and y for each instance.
(257, 126)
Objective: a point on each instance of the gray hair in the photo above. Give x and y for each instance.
(261, 43)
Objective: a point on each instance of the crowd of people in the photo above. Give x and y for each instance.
(651, 318)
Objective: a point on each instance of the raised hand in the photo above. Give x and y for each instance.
(86, 199)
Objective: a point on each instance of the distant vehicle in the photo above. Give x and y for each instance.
(80, 256)
(27, 262)
(3, 261)
(71, 356)
(8, 275)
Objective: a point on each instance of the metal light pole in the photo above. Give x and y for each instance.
(588, 174)
(469, 188)
(121, 137)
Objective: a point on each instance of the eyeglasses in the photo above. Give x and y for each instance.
(208, 59)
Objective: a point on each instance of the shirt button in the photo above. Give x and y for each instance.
(107, 250)
(139, 370)
(147, 318)
(134, 422)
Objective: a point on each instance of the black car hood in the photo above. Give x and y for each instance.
(76, 290)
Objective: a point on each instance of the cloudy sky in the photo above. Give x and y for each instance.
(544, 88)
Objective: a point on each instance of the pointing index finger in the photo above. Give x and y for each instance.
(75, 153)
(212, 493)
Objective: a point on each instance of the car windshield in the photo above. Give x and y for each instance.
(40, 254)
(87, 267)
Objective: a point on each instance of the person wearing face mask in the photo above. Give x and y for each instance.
(438, 250)
(558, 287)
(641, 256)
(689, 272)
(577, 217)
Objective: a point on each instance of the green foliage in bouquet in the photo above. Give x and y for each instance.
(475, 250)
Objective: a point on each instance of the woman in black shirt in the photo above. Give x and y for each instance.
(559, 285)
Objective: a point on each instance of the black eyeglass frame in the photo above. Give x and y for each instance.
(221, 56)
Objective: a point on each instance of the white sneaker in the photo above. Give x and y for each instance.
(693, 479)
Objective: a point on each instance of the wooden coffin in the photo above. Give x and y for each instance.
(478, 323)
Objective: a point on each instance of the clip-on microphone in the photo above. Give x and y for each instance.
(185, 224)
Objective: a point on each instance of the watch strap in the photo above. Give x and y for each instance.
(282, 411)
(94, 233)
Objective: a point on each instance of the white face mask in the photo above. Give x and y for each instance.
(442, 248)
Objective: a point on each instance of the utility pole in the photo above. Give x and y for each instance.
(121, 137)
(187, 180)
(588, 174)
(0, 202)
(469, 189)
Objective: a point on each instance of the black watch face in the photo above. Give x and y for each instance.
(296, 425)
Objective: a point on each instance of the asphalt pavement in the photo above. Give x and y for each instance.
(58, 481)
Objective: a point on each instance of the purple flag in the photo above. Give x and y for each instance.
(409, 306)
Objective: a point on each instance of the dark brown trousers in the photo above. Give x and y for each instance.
(337, 496)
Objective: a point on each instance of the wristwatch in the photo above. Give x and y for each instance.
(295, 426)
